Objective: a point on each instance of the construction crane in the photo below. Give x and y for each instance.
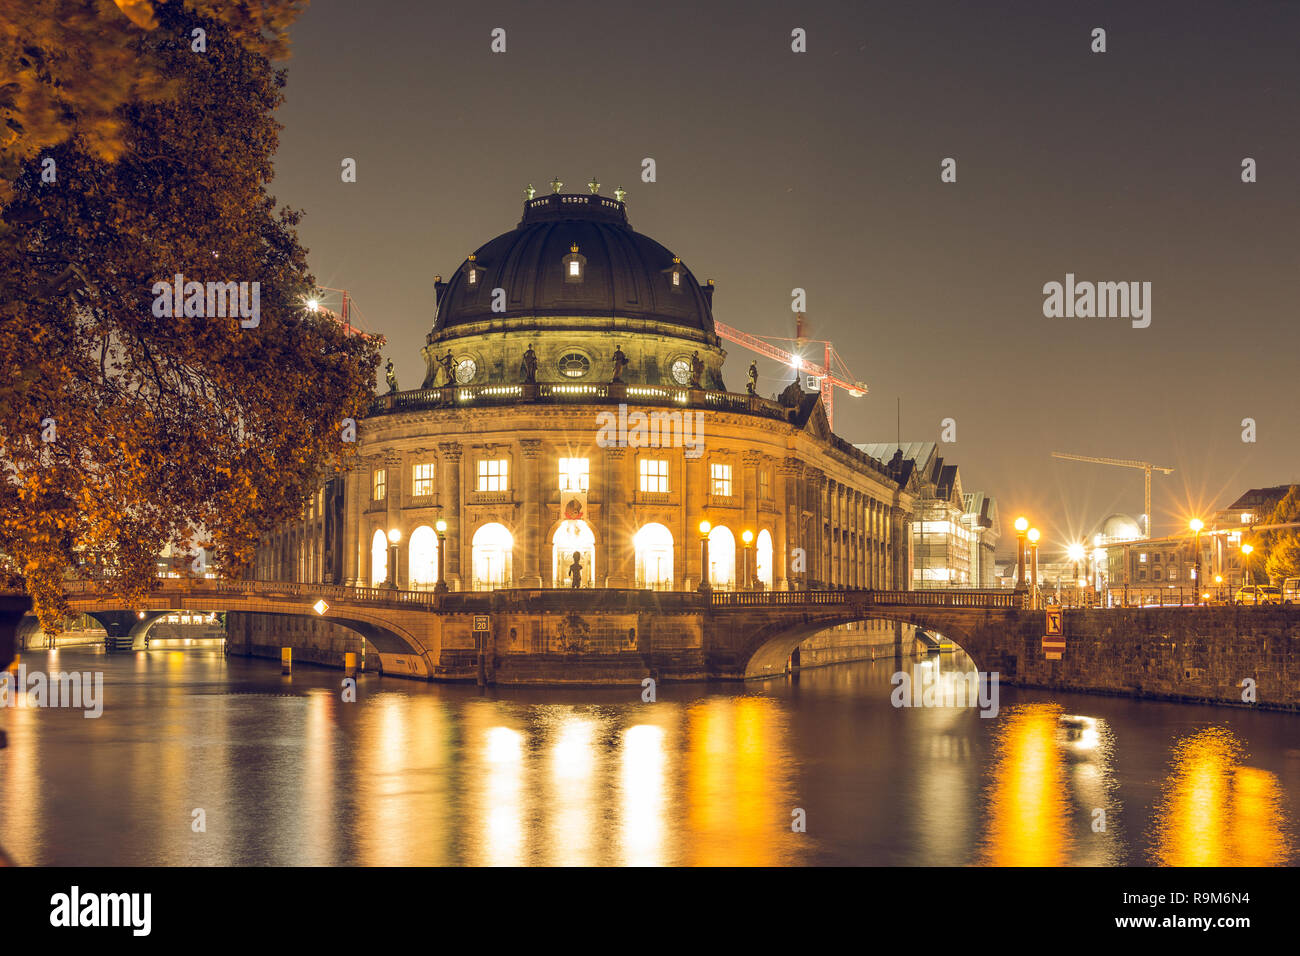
(343, 316)
(826, 373)
(1146, 467)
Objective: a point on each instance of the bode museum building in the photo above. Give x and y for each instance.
(575, 428)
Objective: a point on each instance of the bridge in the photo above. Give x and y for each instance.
(1242, 656)
(562, 635)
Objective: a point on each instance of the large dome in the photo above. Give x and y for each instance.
(620, 273)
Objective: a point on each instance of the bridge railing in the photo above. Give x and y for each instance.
(936, 598)
(428, 600)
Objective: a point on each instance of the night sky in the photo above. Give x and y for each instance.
(821, 170)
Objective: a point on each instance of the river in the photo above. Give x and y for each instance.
(201, 760)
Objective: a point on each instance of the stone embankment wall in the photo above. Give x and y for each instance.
(1207, 655)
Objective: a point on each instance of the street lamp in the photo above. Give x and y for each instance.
(704, 556)
(1034, 556)
(1022, 525)
(1075, 553)
(1196, 526)
(746, 536)
(441, 527)
(1246, 550)
(394, 536)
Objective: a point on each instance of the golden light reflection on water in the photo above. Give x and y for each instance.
(1028, 809)
(1217, 812)
(644, 796)
(738, 800)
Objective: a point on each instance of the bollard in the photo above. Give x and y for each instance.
(350, 664)
(286, 660)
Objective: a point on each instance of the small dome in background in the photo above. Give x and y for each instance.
(1120, 527)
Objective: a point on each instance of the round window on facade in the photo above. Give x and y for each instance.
(681, 370)
(574, 365)
(465, 371)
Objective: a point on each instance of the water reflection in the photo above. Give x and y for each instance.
(287, 772)
(1217, 812)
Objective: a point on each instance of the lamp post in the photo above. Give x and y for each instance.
(1033, 553)
(394, 536)
(1022, 525)
(1246, 550)
(1196, 525)
(748, 537)
(1076, 553)
(441, 527)
(704, 556)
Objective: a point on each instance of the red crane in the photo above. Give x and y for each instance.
(833, 371)
(343, 316)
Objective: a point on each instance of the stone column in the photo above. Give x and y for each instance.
(695, 481)
(530, 540)
(614, 520)
(451, 511)
(791, 475)
(816, 480)
(393, 464)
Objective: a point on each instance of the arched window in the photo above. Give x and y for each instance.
(763, 559)
(573, 536)
(378, 559)
(493, 546)
(722, 559)
(654, 557)
(423, 558)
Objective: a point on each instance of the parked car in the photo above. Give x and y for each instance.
(1291, 591)
(1259, 594)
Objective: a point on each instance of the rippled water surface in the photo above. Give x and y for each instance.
(286, 772)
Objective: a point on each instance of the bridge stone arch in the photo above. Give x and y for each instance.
(764, 646)
(386, 632)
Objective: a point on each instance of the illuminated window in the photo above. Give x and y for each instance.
(422, 480)
(574, 365)
(380, 484)
(721, 480)
(493, 474)
(1173, 574)
(654, 557)
(1142, 558)
(654, 475)
(764, 484)
(574, 263)
(575, 474)
(1247, 517)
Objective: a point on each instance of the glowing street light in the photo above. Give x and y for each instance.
(441, 527)
(394, 536)
(705, 528)
(1022, 525)
(1033, 550)
(746, 536)
(1246, 550)
(1196, 525)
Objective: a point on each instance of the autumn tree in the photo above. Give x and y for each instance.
(123, 430)
(1282, 545)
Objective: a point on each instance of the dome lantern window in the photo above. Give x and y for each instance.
(575, 265)
(676, 275)
(472, 270)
